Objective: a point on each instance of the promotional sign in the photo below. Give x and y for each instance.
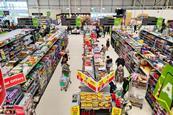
(2, 89)
(78, 22)
(116, 111)
(1, 13)
(19, 110)
(35, 22)
(128, 18)
(14, 80)
(75, 110)
(87, 81)
(92, 84)
(48, 13)
(106, 80)
(159, 22)
(117, 21)
(164, 88)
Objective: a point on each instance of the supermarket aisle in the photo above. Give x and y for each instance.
(54, 101)
(146, 110)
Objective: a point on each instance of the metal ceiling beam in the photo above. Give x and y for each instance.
(166, 3)
(59, 3)
(133, 2)
(112, 5)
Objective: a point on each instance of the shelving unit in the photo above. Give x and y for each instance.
(38, 68)
(160, 45)
(13, 43)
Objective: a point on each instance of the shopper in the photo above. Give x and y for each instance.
(66, 71)
(120, 61)
(103, 49)
(107, 44)
(119, 74)
(108, 64)
(98, 31)
(126, 83)
(65, 58)
(112, 86)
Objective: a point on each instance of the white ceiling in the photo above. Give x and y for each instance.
(86, 5)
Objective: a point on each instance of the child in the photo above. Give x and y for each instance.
(119, 73)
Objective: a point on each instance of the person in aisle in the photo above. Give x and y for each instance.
(65, 58)
(97, 31)
(103, 49)
(113, 87)
(119, 74)
(120, 61)
(104, 31)
(66, 71)
(108, 64)
(107, 44)
(126, 83)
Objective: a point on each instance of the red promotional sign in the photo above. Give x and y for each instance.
(2, 89)
(19, 110)
(14, 80)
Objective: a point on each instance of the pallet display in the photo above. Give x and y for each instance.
(26, 82)
(95, 97)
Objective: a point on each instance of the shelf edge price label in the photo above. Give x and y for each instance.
(75, 110)
(116, 111)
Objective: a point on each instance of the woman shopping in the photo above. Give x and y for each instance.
(119, 74)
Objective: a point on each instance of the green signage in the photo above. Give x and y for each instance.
(117, 21)
(35, 22)
(164, 88)
(48, 13)
(159, 22)
(78, 22)
(1, 13)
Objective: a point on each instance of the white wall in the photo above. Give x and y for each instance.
(54, 12)
(167, 14)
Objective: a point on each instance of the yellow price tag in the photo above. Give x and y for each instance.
(75, 110)
(116, 111)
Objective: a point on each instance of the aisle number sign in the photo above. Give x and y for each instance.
(75, 110)
(159, 22)
(48, 13)
(116, 111)
(94, 85)
(164, 88)
(1, 13)
(35, 22)
(78, 22)
(117, 21)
